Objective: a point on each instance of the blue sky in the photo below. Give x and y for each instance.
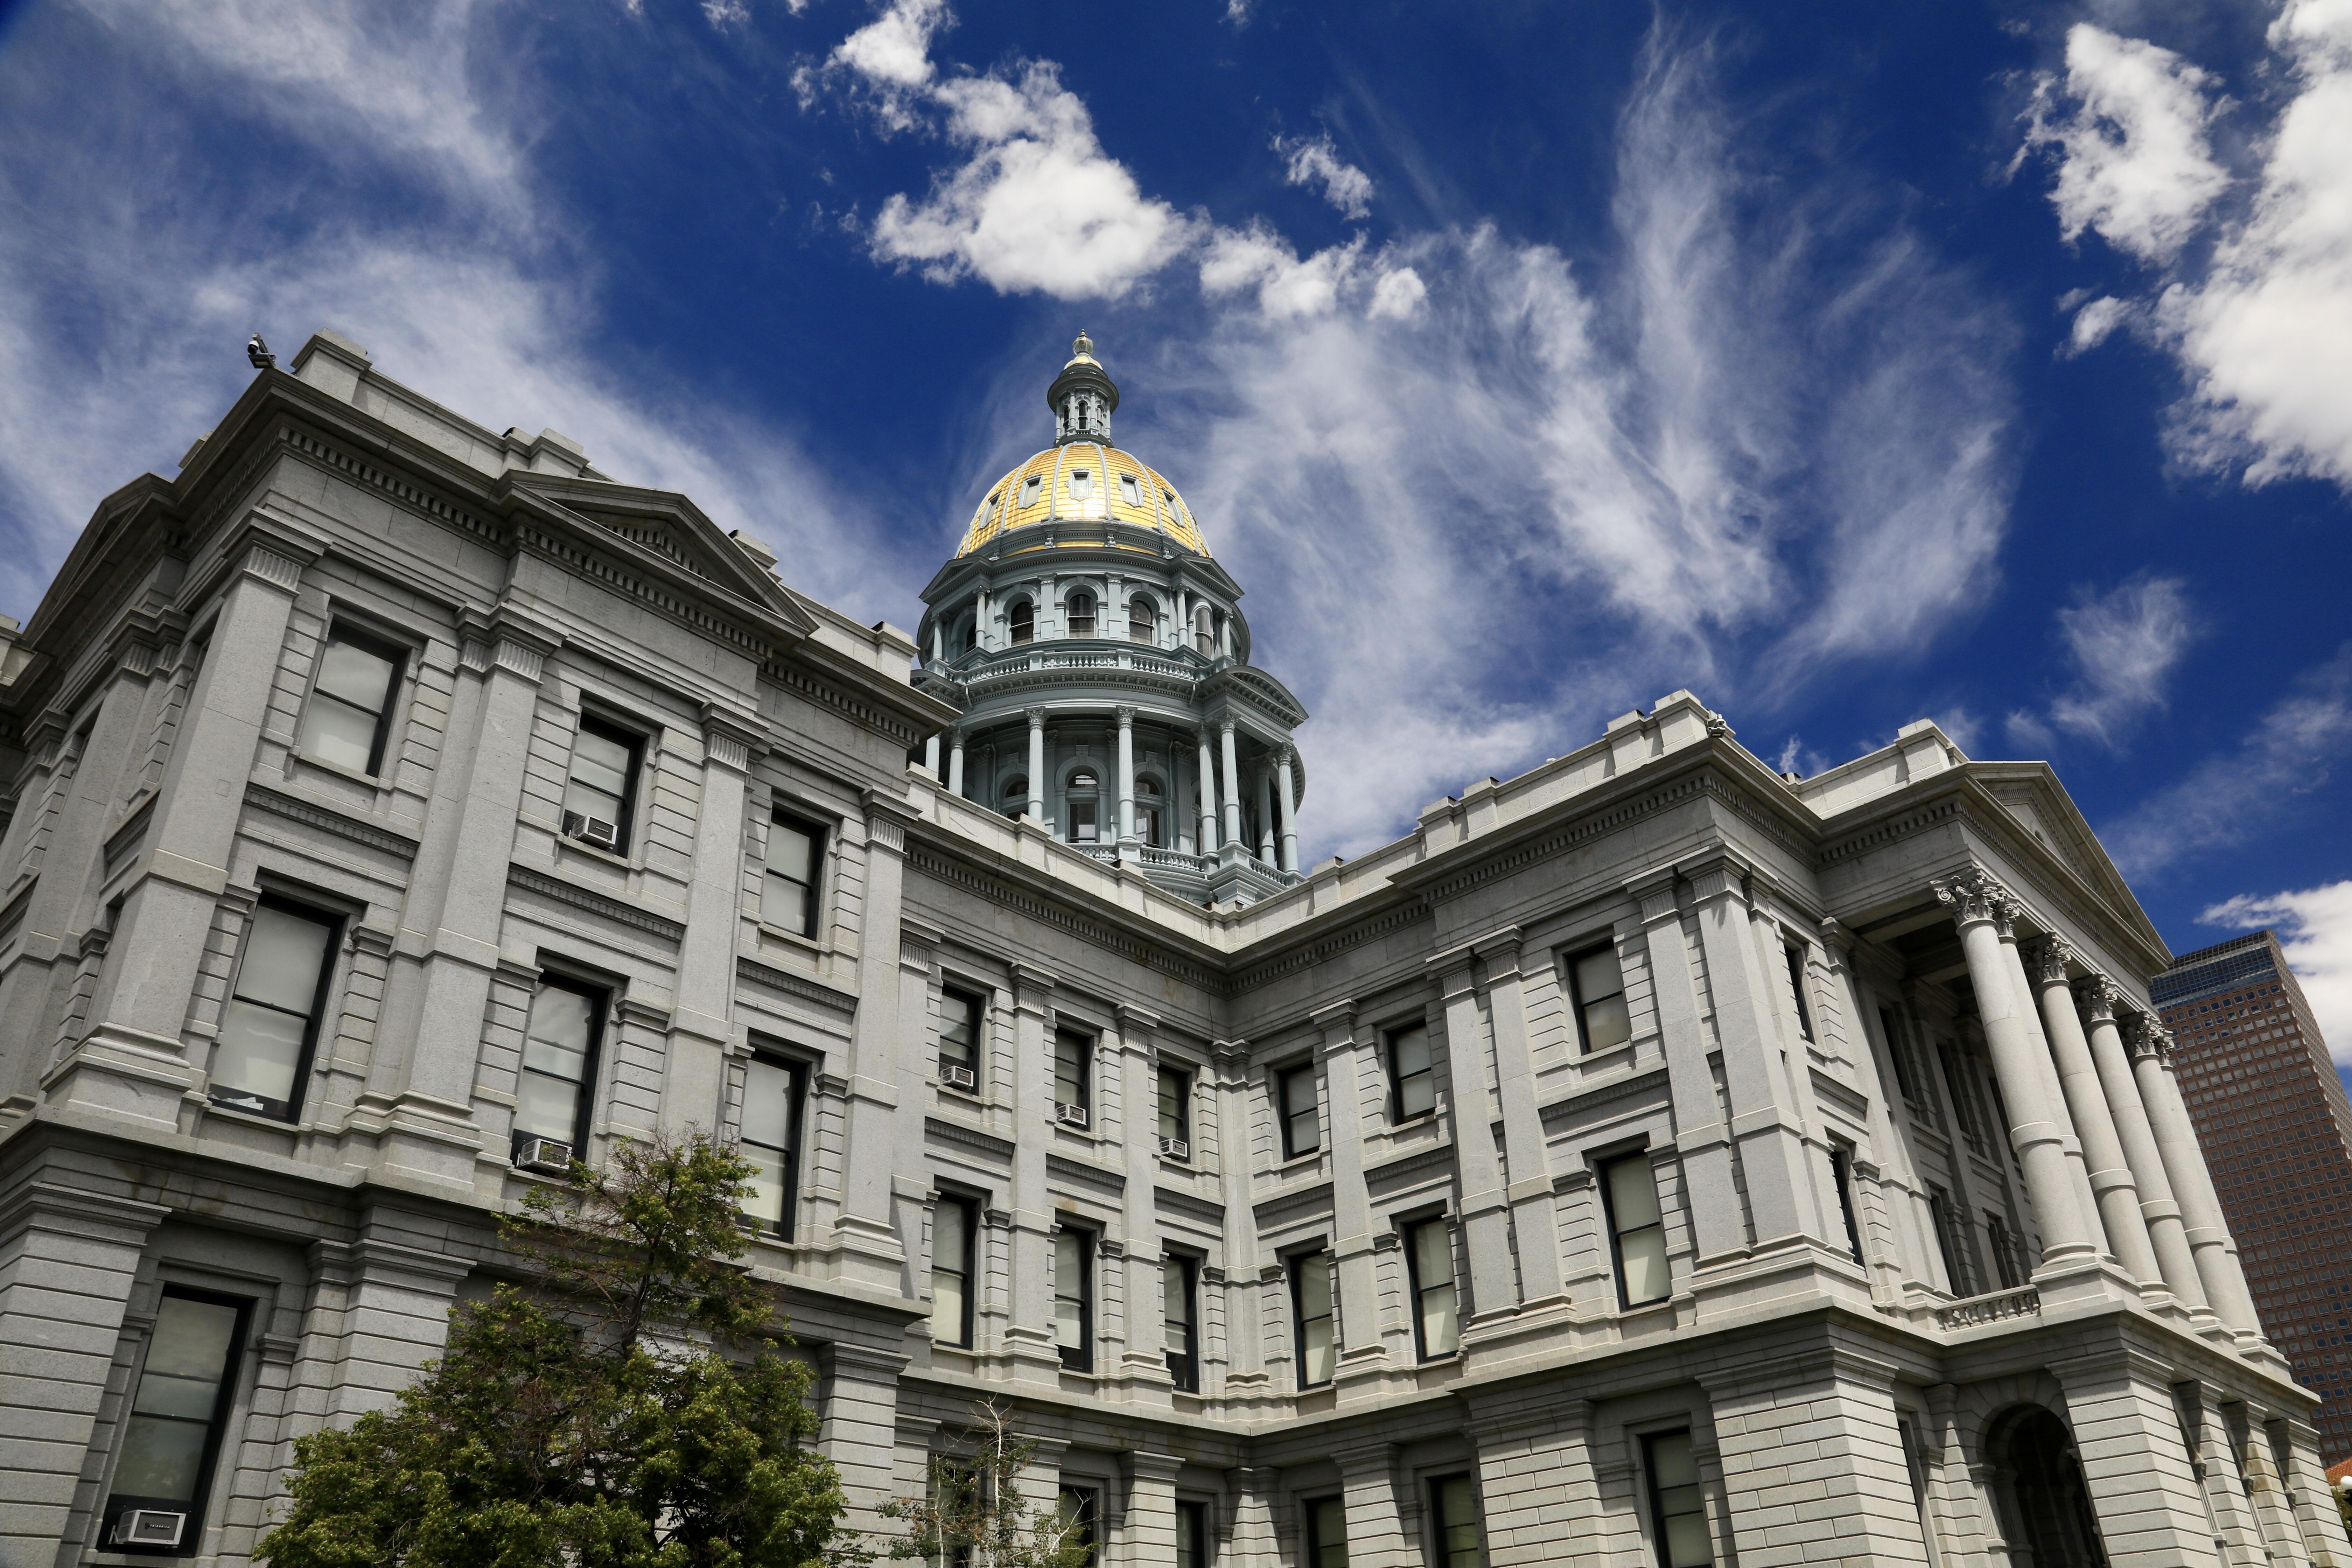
(1844, 363)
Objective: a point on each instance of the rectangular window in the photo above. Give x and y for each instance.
(1842, 1175)
(1597, 992)
(1179, 1289)
(1461, 1540)
(1677, 1509)
(2004, 1257)
(1311, 1305)
(1074, 1298)
(771, 1141)
(1084, 829)
(1796, 957)
(1176, 1113)
(600, 795)
(1940, 1214)
(1899, 1058)
(1436, 1310)
(1083, 1507)
(1302, 1124)
(1327, 1533)
(350, 716)
(1955, 1085)
(1637, 1230)
(1071, 1081)
(953, 1235)
(788, 895)
(1412, 1077)
(270, 1027)
(179, 1413)
(960, 1014)
(559, 1064)
(1192, 1535)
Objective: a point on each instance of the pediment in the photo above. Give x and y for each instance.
(668, 526)
(2029, 794)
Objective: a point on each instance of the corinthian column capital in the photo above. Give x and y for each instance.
(2098, 995)
(2146, 1037)
(1975, 895)
(2046, 958)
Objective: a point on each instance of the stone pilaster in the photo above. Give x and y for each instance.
(1368, 1481)
(1150, 1539)
(859, 1428)
(2127, 1436)
(1703, 1133)
(866, 1237)
(1347, 1061)
(1486, 1205)
(702, 1023)
(1029, 1335)
(1536, 1477)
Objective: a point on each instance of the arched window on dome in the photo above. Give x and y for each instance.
(1081, 608)
(1016, 795)
(1148, 816)
(1204, 631)
(1142, 620)
(1083, 792)
(1021, 621)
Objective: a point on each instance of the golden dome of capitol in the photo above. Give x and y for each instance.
(1082, 478)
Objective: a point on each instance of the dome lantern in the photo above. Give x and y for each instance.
(1083, 397)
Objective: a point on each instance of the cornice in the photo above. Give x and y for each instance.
(757, 973)
(327, 819)
(570, 894)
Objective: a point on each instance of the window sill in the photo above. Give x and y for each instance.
(565, 845)
(1297, 1162)
(337, 770)
(1611, 1055)
(251, 1118)
(790, 938)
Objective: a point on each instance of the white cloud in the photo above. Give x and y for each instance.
(2124, 646)
(2289, 753)
(894, 49)
(1314, 160)
(2259, 315)
(2094, 323)
(2314, 927)
(2135, 165)
(1398, 295)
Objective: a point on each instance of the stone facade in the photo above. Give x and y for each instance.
(1649, 1160)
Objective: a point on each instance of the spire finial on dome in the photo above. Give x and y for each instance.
(1083, 396)
(1083, 344)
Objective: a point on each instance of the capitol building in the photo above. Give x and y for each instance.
(1651, 1161)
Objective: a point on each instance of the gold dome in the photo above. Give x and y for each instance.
(1081, 481)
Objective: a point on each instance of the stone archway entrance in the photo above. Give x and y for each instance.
(2045, 1506)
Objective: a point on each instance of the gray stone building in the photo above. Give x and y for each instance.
(1650, 1159)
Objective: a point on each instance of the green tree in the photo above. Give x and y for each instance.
(625, 1408)
(974, 1514)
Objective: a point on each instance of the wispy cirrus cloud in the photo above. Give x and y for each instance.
(2124, 646)
(1316, 161)
(1747, 433)
(2314, 927)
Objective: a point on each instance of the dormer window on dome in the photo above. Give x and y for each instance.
(1082, 484)
(1130, 490)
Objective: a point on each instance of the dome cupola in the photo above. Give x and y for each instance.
(1083, 397)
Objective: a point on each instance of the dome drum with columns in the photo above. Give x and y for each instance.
(1101, 663)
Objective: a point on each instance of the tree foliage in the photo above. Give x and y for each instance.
(625, 1408)
(975, 1513)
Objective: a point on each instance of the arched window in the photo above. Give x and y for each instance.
(1082, 483)
(1142, 620)
(1204, 631)
(1148, 815)
(1016, 795)
(1023, 620)
(1082, 615)
(1085, 791)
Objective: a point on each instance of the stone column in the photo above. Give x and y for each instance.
(1343, 1054)
(1209, 835)
(955, 762)
(2111, 1186)
(2192, 1184)
(1036, 717)
(1849, 1499)
(980, 624)
(1029, 1332)
(1981, 907)
(2160, 1210)
(2150, 1508)
(67, 1261)
(130, 1060)
(1375, 1525)
(859, 1429)
(1702, 1136)
(1125, 775)
(1485, 1206)
(702, 1021)
(1232, 786)
(1264, 845)
(2053, 1092)
(1150, 1539)
(866, 1243)
(1283, 786)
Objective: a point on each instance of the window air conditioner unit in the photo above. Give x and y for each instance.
(149, 1527)
(543, 1154)
(956, 1077)
(1070, 1115)
(589, 829)
(1176, 1148)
